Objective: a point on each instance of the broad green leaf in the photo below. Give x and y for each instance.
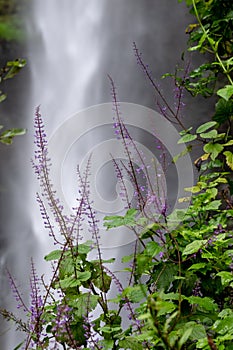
(212, 191)
(205, 303)
(229, 158)
(197, 266)
(165, 307)
(169, 296)
(214, 149)
(198, 332)
(214, 205)
(127, 258)
(68, 282)
(202, 343)
(212, 134)
(83, 302)
(116, 220)
(83, 275)
(130, 343)
(107, 344)
(164, 276)
(225, 312)
(54, 255)
(194, 247)
(202, 128)
(67, 266)
(226, 277)
(85, 248)
(226, 92)
(153, 248)
(224, 110)
(187, 138)
(136, 293)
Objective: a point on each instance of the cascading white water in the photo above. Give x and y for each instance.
(73, 45)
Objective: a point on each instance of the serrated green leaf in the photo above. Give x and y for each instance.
(83, 302)
(136, 293)
(205, 303)
(116, 220)
(224, 326)
(229, 158)
(202, 128)
(54, 255)
(187, 138)
(198, 332)
(130, 343)
(165, 307)
(194, 247)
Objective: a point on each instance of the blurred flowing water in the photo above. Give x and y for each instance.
(72, 47)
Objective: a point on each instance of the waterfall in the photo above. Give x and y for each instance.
(73, 45)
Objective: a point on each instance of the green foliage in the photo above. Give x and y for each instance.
(11, 29)
(11, 69)
(11, 24)
(212, 33)
(116, 221)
